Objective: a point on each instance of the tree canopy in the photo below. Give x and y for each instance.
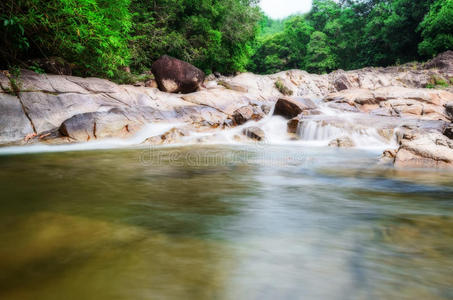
(101, 37)
(357, 33)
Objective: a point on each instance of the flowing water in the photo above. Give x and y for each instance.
(279, 220)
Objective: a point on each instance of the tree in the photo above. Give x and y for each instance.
(319, 55)
(437, 29)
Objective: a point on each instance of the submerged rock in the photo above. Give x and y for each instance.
(176, 76)
(342, 142)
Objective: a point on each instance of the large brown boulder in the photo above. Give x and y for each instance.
(176, 76)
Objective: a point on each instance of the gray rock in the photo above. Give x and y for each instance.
(100, 125)
(14, 124)
(48, 111)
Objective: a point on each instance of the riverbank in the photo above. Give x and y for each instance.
(409, 108)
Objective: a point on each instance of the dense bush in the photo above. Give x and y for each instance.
(91, 33)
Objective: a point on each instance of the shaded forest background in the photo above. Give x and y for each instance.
(102, 37)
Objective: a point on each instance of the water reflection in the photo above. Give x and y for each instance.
(334, 225)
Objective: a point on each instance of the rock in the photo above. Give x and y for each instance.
(389, 154)
(210, 77)
(448, 132)
(95, 85)
(266, 109)
(242, 115)
(176, 76)
(291, 107)
(293, 124)
(428, 150)
(343, 106)
(232, 86)
(341, 80)
(352, 97)
(254, 133)
(151, 83)
(443, 62)
(226, 101)
(172, 136)
(342, 142)
(48, 111)
(5, 84)
(449, 109)
(99, 125)
(14, 124)
(217, 74)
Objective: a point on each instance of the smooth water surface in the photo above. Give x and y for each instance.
(223, 222)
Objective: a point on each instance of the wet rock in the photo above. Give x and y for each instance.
(291, 107)
(14, 124)
(389, 154)
(342, 142)
(242, 115)
(176, 76)
(172, 136)
(448, 132)
(254, 133)
(293, 124)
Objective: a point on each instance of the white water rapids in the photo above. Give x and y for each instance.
(315, 131)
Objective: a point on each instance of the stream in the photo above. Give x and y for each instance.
(282, 219)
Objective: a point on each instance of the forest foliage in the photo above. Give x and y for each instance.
(348, 34)
(101, 37)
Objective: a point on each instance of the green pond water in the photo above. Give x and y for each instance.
(225, 222)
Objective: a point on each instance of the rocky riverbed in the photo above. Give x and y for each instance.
(410, 106)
